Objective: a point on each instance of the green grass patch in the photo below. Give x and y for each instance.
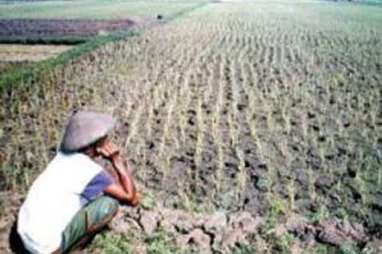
(160, 243)
(51, 40)
(112, 243)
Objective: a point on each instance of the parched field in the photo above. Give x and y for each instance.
(14, 53)
(13, 56)
(271, 108)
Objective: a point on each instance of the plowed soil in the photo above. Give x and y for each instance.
(59, 27)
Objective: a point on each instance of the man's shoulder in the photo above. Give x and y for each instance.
(66, 173)
(77, 162)
(79, 159)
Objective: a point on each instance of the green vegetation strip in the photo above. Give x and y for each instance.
(32, 70)
(185, 11)
(45, 40)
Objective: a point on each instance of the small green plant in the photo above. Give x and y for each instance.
(263, 183)
(148, 201)
(318, 249)
(277, 209)
(220, 165)
(242, 174)
(160, 243)
(322, 214)
(200, 134)
(282, 244)
(112, 243)
(291, 194)
(244, 249)
(233, 129)
(349, 248)
(2, 207)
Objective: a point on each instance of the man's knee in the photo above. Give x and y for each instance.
(101, 212)
(107, 206)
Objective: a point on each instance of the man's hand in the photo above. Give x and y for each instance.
(117, 191)
(126, 182)
(107, 149)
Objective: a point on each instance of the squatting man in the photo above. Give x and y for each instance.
(75, 197)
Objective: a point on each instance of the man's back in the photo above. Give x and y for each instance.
(54, 198)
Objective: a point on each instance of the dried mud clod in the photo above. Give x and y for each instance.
(200, 232)
(220, 232)
(338, 232)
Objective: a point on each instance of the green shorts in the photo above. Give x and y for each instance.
(88, 221)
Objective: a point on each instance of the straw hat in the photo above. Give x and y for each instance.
(85, 128)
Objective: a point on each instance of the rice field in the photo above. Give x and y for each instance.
(91, 9)
(271, 108)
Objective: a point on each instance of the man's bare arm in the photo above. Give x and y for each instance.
(117, 191)
(125, 176)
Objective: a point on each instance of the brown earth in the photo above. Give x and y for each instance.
(59, 27)
(28, 53)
